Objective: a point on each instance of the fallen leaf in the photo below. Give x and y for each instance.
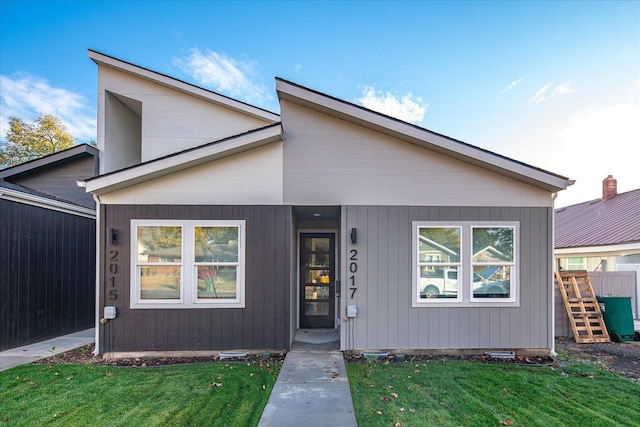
(379, 412)
(397, 424)
(401, 409)
(384, 398)
(416, 371)
(443, 404)
(109, 374)
(504, 390)
(394, 395)
(413, 411)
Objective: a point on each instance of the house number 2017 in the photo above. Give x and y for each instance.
(353, 269)
(113, 270)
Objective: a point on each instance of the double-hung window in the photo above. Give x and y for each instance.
(187, 264)
(465, 264)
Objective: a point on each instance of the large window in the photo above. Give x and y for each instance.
(187, 264)
(458, 264)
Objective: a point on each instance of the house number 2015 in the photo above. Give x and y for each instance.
(113, 270)
(353, 269)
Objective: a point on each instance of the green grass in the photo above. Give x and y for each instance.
(464, 393)
(224, 394)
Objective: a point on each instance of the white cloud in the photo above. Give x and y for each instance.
(407, 107)
(26, 96)
(511, 85)
(539, 96)
(233, 77)
(562, 89)
(586, 147)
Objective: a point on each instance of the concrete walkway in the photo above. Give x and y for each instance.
(41, 350)
(312, 388)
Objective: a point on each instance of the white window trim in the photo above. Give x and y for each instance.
(465, 269)
(188, 283)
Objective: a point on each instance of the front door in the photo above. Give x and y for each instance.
(317, 280)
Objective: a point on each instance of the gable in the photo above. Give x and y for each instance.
(143, 115)
(251, 177)
(328, 160)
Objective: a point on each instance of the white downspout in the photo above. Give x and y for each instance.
(553, 265)
(96, 350)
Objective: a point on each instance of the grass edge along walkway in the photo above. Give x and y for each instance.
(466, 393)
(213, 394)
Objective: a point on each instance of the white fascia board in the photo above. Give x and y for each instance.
(43, 202)
(170, 82)
(604, 250)
(422, 137)
(174, 163)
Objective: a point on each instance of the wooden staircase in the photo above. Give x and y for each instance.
(582, 307)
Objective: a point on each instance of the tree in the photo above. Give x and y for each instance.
(27, 141)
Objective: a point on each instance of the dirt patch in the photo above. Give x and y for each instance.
(84, 355)
(622, 358)
(396, 358)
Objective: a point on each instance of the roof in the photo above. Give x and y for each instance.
(599, 222)
(183, 160)
(50, 161)
(21, 194)
(420, 136)
(167, 81)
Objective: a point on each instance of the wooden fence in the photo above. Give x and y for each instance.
(618, 283)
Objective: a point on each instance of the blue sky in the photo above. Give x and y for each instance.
(553, 84)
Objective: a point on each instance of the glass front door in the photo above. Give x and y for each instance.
(317, 280)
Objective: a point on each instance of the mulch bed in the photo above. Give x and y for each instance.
(394, 358)
(622, 358)
(84, 355)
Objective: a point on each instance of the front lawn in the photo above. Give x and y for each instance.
(216, 394)
(464, 393)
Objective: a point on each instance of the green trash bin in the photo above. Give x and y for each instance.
(618, 317)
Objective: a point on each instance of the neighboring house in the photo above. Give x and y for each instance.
(47, 260)
(601, 234)
(223, 226)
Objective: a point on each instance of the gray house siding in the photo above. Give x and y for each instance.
(263, 323)
(47, 273)
(386, 318)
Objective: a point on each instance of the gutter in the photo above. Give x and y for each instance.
(43, 202)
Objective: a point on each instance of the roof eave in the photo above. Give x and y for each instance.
(180, 161)
(420, 136)
(108, 61)
(50, 160)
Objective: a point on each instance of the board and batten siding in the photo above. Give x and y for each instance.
(262, 324)
(47, 273)
(386, 318)
(329, 161)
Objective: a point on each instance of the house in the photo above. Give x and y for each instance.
(223, 226)
(600, 234)
(47, 261)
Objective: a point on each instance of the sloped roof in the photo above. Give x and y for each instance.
(183, 160)
(21, 194)
(599, 222)
(168, 81)
(50, 161)
(420, 136)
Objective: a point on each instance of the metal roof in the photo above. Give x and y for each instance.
(599, 222)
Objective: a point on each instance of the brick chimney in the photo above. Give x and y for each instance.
(609, 187)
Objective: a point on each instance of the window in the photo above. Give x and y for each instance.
(465, 264)
(187, 264)
(576, 264)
